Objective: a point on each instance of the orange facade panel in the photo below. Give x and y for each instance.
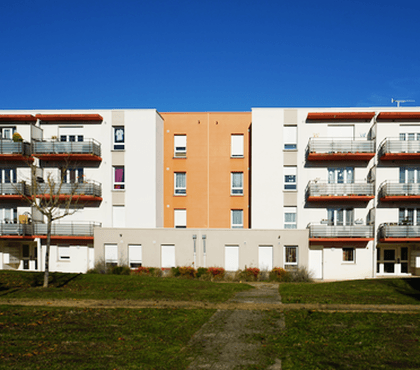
(199, 145)
(340, 116)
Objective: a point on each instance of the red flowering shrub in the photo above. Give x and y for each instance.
(142, 270)
(216, 271)
(252, 271)
(279, 274)
(187, 271)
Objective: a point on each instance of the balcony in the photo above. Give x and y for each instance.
(330, 149)
(15, 231)
(317, 191)
(87, 150)
(399, 150)
(15, 151)
(14, 191)
(399, 233)
(351, 234)
(79, 192)
(390, 192)
(66, 231)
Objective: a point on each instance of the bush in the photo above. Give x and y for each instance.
(17, 137)
(99, 268)
(151, 271)
(120, 270)
(249, 274)
(279, 274)
(300, 275)
(201, 271)
(217, 273)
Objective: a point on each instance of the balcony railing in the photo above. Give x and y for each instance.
(11, 147)
(317, 189)
(391, 190)
(67, 229)
(92, 188)
(11, 229)
(336, 145)
(87, 146)
(18, 189)
(399, 231)
(328, 231)
(393, 148)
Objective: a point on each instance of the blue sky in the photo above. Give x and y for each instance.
(200, 55)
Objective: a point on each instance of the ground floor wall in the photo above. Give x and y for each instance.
(228, 248)
(30, 256)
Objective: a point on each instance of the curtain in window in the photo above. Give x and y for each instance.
(237, 180)
(237, 218)
(402, 175)
(180, 180)
(291, 255)
(331, 176)
(119, 174)
(350, 175)
(349, 217)
(410, 175)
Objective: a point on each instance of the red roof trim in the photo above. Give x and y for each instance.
(398, 115)
(392, 198)
(340, 116)
(17, 118)
(399, 240)
(400, 156)
(69, 117)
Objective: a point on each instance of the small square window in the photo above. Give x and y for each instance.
(64, 253)
(180, 218)
(290, 178)
(290, 217)
(237, 183)
(119, 138)
(290, 137)
(119, 178)
(237, 146)
(237, 216)
(180, 183)
(349, 255)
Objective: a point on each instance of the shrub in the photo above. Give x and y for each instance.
(201, 271)
(99, 268)
(279, 274)
(187, 271)
(217, 273)
(151, 271)
(120, 270)
(300, 275)
(17, 137)
(249, 274)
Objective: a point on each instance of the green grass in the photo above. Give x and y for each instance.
(53, 338)
(14, 284)
(372, 291)
(315, 340)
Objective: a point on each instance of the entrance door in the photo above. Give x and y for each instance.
(392, 260)
(315, 263)
(265, 258)
(231, 257)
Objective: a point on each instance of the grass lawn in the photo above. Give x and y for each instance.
(315, 340)
(15, 284)
(372, 291)
(53, 338)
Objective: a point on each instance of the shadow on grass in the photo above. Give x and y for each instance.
(409, 287)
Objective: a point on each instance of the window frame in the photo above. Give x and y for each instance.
(290, 223)
(352, 255)
(183, 212)
(180, 151)
(118, 185)
(180, 190)
(236, 226)
(235, 190)
(288, 255)
(67, 257)
(290, 185)
(237, 146)
(118, 144)
(287, 133)
(135, 262)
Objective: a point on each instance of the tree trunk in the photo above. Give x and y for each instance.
(47, 253)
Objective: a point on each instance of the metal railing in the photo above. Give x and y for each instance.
(399, 231)
(7, 228)
(338, 145)
(389, 188)
(19, 188)
(87, 146)
(394, 145)
(93, 188)
(328, 231)
(12, 147)
(67, 229)
(318, 189)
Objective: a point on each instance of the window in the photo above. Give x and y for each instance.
(237, 146)
(8, 175)
(409, 216)
(290, 137)
(71, 134)
(63, 253)
(134, 255)
(180, 182)
(290, 178)
(118, 216)
(237, 218)
(73, 175)
(111, 254)
(349, 255)
(290, 217)
(237, 185)
(341, 175)
(340, 216)
(8, 215)
(409, 175)
(180, 146)
(119, 178)
(290, 255)
(168, 255)
(119, 138)
(180, 218)
(6, 133)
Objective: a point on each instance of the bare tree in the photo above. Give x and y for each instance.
(54, 198)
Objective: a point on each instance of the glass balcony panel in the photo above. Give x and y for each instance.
(322, 189)
(331, 145)
(354, 231)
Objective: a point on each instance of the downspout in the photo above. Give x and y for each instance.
(375, 166)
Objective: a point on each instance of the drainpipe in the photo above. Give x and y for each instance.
(204, 250)
(375, 165)
(195, 250)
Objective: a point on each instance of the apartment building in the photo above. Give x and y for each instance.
(348, 175)
(114, 156)
(206, 176)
